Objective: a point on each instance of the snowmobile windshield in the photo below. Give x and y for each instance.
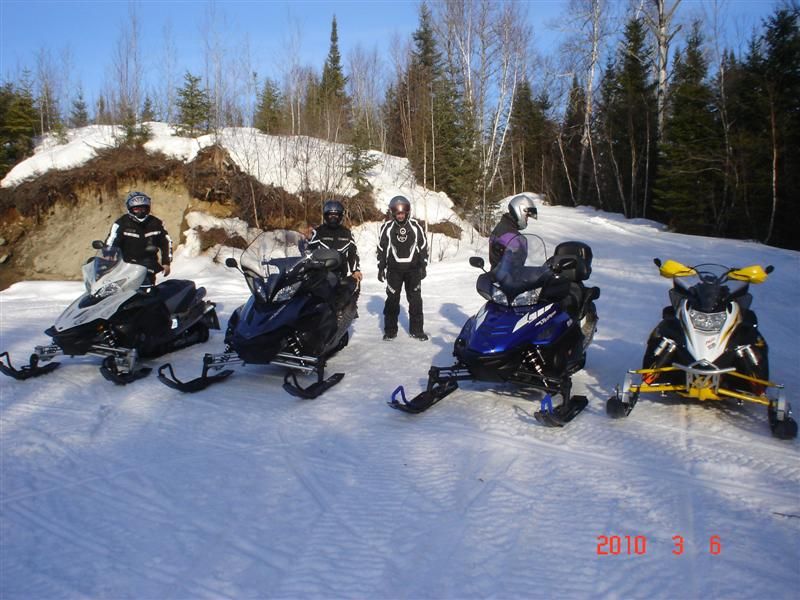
(106, 260)
(709, 290)
(522, 266)
(268, 259)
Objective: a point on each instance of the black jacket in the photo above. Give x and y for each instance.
(402, 246)
(337, 238)
(132, 237)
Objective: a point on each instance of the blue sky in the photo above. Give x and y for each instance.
(90, 29)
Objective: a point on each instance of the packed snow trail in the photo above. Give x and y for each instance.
(241, 490)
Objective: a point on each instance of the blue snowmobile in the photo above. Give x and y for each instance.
(533, 331)
(298, 315)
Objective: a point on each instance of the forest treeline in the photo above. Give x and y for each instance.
(638, 112)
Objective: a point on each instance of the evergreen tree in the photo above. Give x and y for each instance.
(148, 110)
(332, 95)
(627, 120)
(568, 187)
(359, 160)
(528, 154)
(18, 125)
(689, 185)
(269, 112)
(79, 115)
(194, 108)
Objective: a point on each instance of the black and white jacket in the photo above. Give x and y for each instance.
(402, 246)
(337, 238)
(132, 237)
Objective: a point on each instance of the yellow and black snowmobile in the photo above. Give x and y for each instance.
(708, 346)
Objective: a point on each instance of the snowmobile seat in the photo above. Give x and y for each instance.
(582, 254)
(177, 294)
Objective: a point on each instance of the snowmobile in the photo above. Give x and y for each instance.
(708, 346)
(533, 331)
(121, 321)
(298, 315)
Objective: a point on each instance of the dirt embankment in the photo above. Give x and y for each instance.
(47, 225)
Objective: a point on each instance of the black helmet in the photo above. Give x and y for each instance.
(400, 205)
(520, 208)
(138, 205)
(333, 213)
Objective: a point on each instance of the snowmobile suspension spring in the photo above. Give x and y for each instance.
(665, 344)
(747, 351)
(108, 337)
(293, 345)
(533, 360)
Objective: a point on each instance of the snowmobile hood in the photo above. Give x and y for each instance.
(498, 328)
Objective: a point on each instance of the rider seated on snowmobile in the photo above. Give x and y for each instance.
(137, 233)
(335, 236)
(506, 232)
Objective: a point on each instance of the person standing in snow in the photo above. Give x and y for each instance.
(402, 261)
(505, 235)
(134, 231)
(332, 234)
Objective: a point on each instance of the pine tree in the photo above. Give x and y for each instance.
(528, 153)
(689, 186)
(269, 112)
(194, 108)
(332, 95)
(79, 115)
(148, 110)
(627, 120)
(359, 159)
(18, 125)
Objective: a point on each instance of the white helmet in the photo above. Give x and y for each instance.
(520, 208)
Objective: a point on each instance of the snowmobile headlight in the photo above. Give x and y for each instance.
(498, 296)
(527, 298)
(707, 321)
(286, 293)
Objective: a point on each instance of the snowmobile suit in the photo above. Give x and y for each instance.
(132, 238)
(503, 236)
(339, 238)
(403, 257)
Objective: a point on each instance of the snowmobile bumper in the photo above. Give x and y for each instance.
(702, 383)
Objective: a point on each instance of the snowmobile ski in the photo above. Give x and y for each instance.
(199, 383)
(439, 387)
(312, 391)
(33, 369)
(561, 415)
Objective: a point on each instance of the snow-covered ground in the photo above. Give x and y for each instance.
(243, 491)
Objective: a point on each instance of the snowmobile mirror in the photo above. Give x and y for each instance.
(769, 269)
(97, 244)
(476, 261)
(657, 262)
(231, 262)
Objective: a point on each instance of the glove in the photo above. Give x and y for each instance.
(381, 274)
(166, 270)
(422, 272)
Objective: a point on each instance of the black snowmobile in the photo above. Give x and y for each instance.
(533, 331)
(121, 322)
(708, 345)
(297, 316)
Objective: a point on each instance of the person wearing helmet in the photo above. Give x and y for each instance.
(402, 261)
(135, 232)
(506, 235)
(331, 233)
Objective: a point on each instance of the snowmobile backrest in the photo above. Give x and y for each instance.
(583, 263)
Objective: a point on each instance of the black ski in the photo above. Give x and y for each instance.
(561, 415)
